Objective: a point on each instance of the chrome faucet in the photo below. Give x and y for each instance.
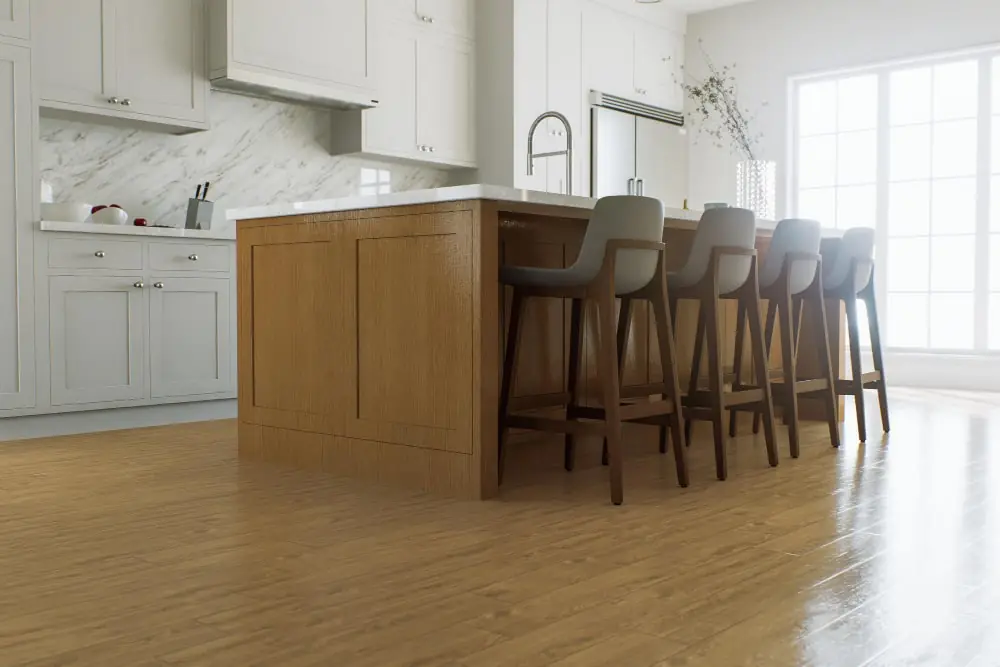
(568, 152)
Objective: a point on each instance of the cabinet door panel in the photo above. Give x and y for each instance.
(189, 333)
(608, 51)
(158, 56)
(14, 18)
(97, 330)
(565, 94)
(454, 16)
(330, 44)
(654, 66)
(445, 103)
(69, 52)
(392, 127)
(17, 365)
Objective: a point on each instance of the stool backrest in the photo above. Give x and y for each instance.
(790, 236)
(622, 217)
(730, 227)
(858, 243)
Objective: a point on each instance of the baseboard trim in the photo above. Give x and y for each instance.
(71, 423)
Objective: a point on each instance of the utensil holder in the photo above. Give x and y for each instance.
(199, 214)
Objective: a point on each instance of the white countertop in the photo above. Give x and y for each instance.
(437, 195)
(227, 234)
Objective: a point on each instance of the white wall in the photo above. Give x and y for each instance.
(257, 152)
(771, 40)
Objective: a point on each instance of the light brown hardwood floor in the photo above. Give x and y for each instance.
(158, 547)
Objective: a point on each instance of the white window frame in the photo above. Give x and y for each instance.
(978, 368)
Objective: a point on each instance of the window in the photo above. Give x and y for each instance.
(914, 151)
(375, 181)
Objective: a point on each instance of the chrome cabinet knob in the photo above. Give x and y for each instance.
(193, 258)
(100, 254)
(426, 19)
(158, 285)
(139, 284)
(126, 102)
(430, 148)
(114, 100)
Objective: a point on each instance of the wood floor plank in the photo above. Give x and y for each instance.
(159, 548)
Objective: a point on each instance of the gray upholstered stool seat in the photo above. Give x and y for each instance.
(622, 255)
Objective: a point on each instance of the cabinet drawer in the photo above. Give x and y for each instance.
(95, 254)
(188, 257)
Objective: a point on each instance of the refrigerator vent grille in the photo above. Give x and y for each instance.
(637, 108)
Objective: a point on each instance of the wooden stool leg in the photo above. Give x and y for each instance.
(699, 340)
(785, 314)
(612, 398)
(760, 363)
(573, 378)
(876, 337)
(716, 385)
(509, 375)
(772, 312)
(857, 385)
(818, 306)
(672, 386)
(672, 305)
(741, 323)
(624, 329)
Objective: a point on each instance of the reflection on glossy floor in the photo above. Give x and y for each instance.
(158, 548)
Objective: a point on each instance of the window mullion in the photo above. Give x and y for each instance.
(882, 136)
(983, 167)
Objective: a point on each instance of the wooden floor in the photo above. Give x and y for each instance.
(157, 547)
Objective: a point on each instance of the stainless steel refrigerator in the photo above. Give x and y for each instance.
(638, 149)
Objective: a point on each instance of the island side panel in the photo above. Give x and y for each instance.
(358, 345)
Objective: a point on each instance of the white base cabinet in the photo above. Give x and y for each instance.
(134, 321)
(189, 336)
(97, 329)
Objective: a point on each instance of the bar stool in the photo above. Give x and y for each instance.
(723, 265)
(622, 255)
(791, 279)
(850, 275)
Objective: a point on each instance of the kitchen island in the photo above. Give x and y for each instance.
(370, 330)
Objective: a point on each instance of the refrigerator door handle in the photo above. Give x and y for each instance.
(640, 187)
(631, 186)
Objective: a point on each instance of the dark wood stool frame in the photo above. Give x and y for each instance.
(663, 413)
(711, 405)
(787, 309)
(859, 380)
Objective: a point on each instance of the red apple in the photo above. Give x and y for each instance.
(141, 222)
(115, 206)
(96, 209)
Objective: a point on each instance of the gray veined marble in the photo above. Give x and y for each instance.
(257, 152)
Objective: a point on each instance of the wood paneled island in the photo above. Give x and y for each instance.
(370, 330)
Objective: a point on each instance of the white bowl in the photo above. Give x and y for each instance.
(66, 212)
(110, 216)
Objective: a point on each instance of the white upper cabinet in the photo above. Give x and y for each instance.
(142, 60)
(456, 17)
(17, 365)
(426, 95)
(627, 57)
(319, 50)
(445, 100)
(391, 129)
(14, 19)
(565, 90)
(609, 51)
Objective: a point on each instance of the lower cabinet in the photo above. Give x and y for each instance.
(142, 335)
(97, 328)
(189, 331)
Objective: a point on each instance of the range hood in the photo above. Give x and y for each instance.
(255, 84)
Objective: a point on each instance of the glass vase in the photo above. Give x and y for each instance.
(755, 187)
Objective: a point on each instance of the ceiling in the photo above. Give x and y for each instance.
(692, 6)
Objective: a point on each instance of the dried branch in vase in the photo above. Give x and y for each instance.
(717, 112)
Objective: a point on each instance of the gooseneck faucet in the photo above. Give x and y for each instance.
(568, 152)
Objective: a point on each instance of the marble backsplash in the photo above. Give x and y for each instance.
(257, 152)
